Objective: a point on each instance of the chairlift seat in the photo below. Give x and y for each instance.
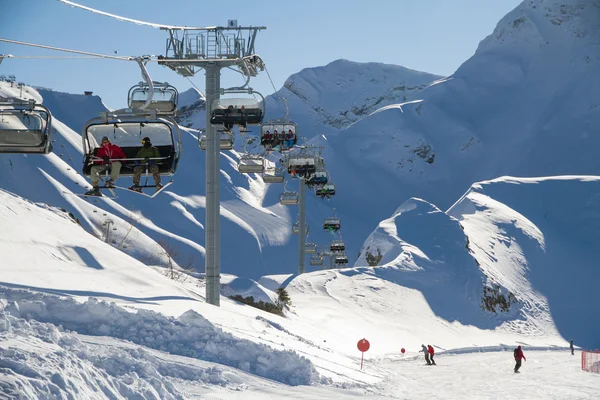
(337, 245)
(249, 165)
(332, 224)
(310, 248)
(269, 178)
(341, 259)
(127, 131)
(316, 260)
(288, 198)
(25, 128)
(225, 142)
(230, 112)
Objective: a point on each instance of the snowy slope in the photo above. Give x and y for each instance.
(54, 340)
(538, 238)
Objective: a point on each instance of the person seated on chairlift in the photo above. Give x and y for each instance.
(290, 139)
(102, 162)
(146, 152)
(266, 139)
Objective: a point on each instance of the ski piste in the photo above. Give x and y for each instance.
(145, 186)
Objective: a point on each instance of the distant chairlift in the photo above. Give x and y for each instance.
(340, 259)
(326, 190)
(127, 129)
(288, 198)
(279, 135)
(301, 166)
(296, 228)
(25, 128)
(237, 111)
(316, 259)
(318, 178)
(251, 164)
(337, 246)
(273, 175)
(225, 141)
(164, 97)
(310, 248)
(332, 224)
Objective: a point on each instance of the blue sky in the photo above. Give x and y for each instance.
(429, 35)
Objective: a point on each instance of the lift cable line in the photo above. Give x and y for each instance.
(87, 53)
(125, 19)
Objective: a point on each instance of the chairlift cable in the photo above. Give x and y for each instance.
(125, 19)
(54, 57)
(66, 50)
(197, 88)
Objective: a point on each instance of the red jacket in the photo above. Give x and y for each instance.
(430, 350)
(520, 354)
(111, 151)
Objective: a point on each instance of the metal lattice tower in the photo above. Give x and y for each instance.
(212, 48)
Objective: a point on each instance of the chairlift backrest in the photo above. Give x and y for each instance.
(164, 97)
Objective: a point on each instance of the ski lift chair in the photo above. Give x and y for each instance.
(236, 111)
(310, 248)
(332, 224)
(225, 141)
(318, 178)
(326, 190)
(288, 198)
(127, 131)
(337, 246)
(340, 259)
(273, 175)
(250, 164)
(296, 228)
(25, 128)
(316, 260)
(164, 97)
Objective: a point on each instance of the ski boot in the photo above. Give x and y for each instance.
(136, 188)
(110, 184)
(94, 192)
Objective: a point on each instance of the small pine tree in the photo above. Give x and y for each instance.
(283, 297)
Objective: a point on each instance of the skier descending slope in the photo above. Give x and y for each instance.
(426, 353)
(518, 354)
(431, 353)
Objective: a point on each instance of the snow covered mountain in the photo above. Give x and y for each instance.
(526, 104)
(319, 98)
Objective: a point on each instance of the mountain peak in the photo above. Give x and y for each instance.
(537, 24)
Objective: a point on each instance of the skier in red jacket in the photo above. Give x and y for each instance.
(518, 354)
(431, 352)
(105, 154)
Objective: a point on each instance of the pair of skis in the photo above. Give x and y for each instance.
(114, 195)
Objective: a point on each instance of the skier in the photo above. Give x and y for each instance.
(572, 347)
(424, 350)
(146, 152)
(518, 354)
(105, 154)
(431, 353)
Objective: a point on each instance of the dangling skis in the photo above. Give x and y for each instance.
(146, 186)
(86, 195)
